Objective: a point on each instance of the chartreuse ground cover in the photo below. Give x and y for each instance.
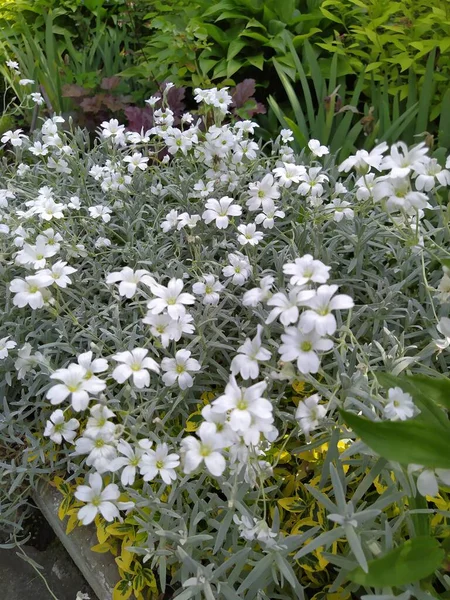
(230, 357)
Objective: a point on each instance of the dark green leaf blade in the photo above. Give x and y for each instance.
(406, 442)
(412, 561)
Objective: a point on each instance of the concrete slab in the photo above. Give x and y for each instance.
(19, 581)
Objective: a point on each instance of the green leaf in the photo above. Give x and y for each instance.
(257, 61)
(426, 95)
(410, 562)
(444, 122)
(406, 442)
(234, 48)
(436, 388)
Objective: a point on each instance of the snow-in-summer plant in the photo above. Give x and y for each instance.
(191, 321)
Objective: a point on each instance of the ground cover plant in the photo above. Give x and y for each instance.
(228, 356)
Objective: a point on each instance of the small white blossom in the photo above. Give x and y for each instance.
(135, 364)
(159, 462)
(5, 345)
(239, 268)
(57, 428)
(399, 405)
(209, 288)
(179, 369)
(309, 413)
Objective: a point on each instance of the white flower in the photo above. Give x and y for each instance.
(178, 140)
(317, 149)
(218, 424)
(428, 480)
(187, 220)
(160, 326)
(129, 280)
(260, 294)
(100, 211)
(31, 290)
(58, 429)
(131, 459)
(362, 161)
(209, 288)
(59, 272)
(286, 136)
(36, 255)
(309, 413)
(153, 101)
(26, 81)
(288, 174)
(428, 172)
(398, 195)
(204, 450)
(98, 500)
(5, 345)
(98, 365)
(37, 98)
(220, 211)
(264, 189)
(246, 361)
(320, 317)
(112, 128)
(399, 405)
(6, 195)
(178, 369)
(159, 462)
(402, 160)
(98, 421)
(239, 268)
(243, 404)
(74, 203)
(286, 307)
(49, 209)
(38, 149)
(203, 190)
(27, 361)
(303, 348)
(74, 384)
(267, 217)
(135, 364)
(136, 161)
(171, 298)
(443, 327)
(312, 182)
(100, 446)
(249, 235)
(102, 242)
(15, 137)
(306, 269)
(171, 221)
(12, 64)
(341, 210)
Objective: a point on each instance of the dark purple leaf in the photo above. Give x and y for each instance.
(110, 83)
(139, 118)
(243, 92)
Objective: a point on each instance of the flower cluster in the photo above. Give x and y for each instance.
(197, 309)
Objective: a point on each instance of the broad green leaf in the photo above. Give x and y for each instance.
(412, 561)
(406, 442)
(426, 95)
(234, 48)
(436, 388)
(444, 123)
(257, 61)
